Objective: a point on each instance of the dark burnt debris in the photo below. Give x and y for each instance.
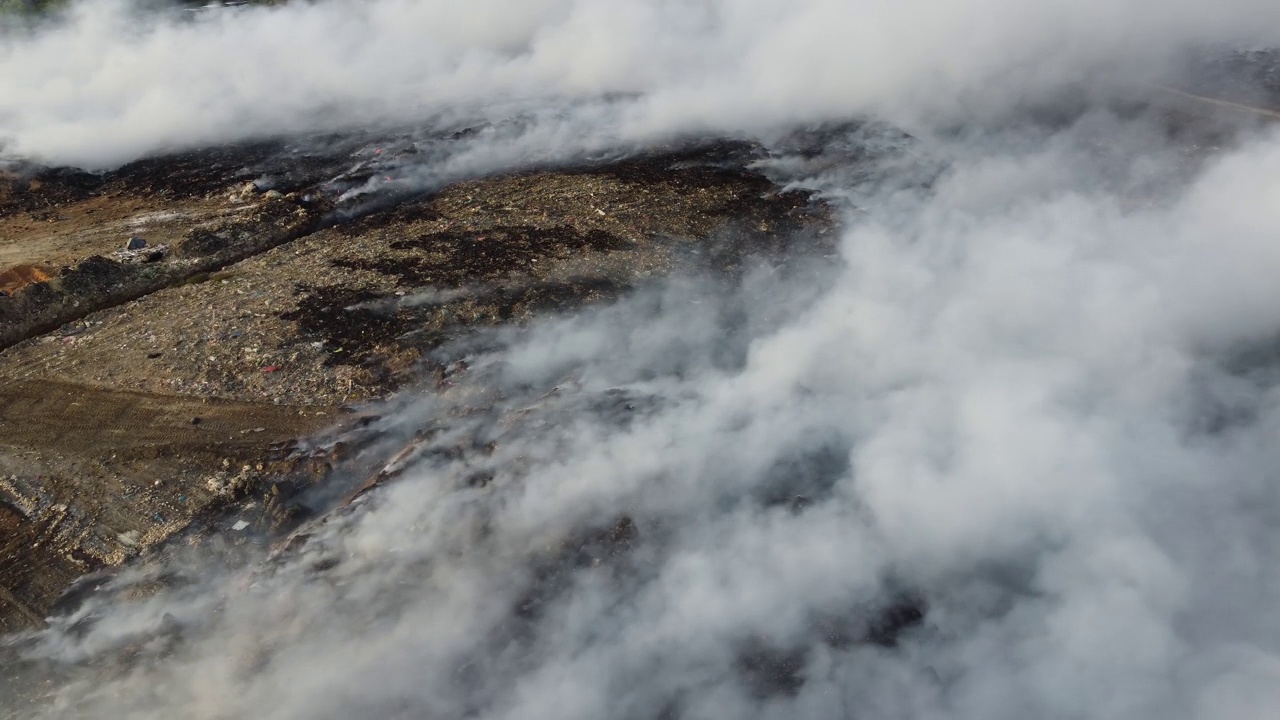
(460, 258)
(352, 319)
(31, 189)
(769, 669)
(604, 548)
(306, 276)
(720, 193)
(505, 271)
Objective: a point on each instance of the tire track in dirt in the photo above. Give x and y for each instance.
(81, 419)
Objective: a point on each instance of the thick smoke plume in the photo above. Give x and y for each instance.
(1011, 454)
(112, 82)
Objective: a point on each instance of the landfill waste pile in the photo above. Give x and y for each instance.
(641, 359)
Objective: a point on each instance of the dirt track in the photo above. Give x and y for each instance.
(91, 476)
(81, 419)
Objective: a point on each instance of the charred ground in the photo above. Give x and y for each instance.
(213, 393)
(146, 398)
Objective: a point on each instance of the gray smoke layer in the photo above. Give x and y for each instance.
(1010, 454)
(111, 82)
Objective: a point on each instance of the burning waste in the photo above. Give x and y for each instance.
(949, 414)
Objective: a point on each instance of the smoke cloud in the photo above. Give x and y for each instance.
(1011, 454)
(111, 82)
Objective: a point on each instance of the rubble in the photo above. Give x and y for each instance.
(140, 254)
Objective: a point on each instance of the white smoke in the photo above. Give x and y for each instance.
(1017, 399)
(1035, 402)
(112, 83)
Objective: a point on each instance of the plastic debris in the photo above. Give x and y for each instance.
(144, 254)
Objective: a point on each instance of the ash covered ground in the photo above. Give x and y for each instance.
(640, 360)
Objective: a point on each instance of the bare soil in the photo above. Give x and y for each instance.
(140, 402)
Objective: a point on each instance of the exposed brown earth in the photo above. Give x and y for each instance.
(143, 398)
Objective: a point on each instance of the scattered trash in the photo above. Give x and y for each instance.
(154, 355)
(244, 192)
(196, 421)
(142, 254)
(130, 538)
(273, 195)
(240, 525)
(271, 368)
(135, 243)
